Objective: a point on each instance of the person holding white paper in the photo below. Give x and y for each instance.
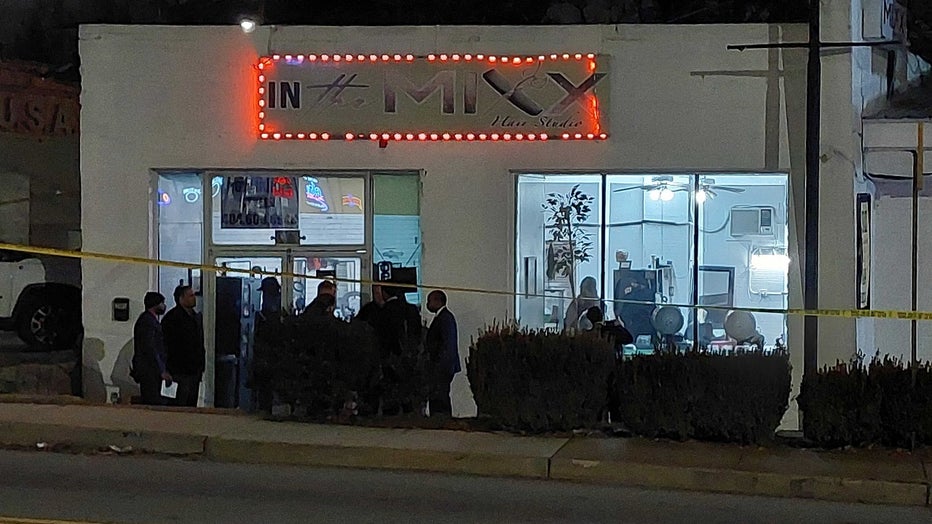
(184, 345)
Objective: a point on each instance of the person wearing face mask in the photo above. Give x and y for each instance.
(184, 346)
(149, 351)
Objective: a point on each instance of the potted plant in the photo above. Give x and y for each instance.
(566, 213)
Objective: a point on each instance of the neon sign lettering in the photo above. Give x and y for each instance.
(314, 195)
(480, 97)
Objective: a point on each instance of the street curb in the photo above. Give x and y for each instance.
(222, 449)
(741, 482)
(611, 472)
(31, 435)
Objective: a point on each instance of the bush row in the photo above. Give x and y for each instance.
(545, 381)
(876, 402)
(537, 380)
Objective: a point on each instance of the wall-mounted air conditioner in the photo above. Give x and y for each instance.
(752, 221)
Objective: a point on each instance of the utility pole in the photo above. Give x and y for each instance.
(813, 140)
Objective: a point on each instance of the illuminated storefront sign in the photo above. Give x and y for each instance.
(434, 97)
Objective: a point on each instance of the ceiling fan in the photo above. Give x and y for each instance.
(663, 187)
(708, 188)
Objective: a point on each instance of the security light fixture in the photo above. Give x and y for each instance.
(247, 24)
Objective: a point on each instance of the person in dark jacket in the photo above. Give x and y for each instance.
(184, 346)
(443, 351)
(398, 331)
(149, 358)
(398, 322)
(325, 301)
(370, 310)
(615, 330)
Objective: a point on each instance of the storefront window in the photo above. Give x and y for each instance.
(743, 255)
(181, 220)
(651, 260)
(249, 207)
(650, 250)
(545, 269)
(396, 225)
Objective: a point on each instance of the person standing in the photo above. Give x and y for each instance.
(371, 309)
(184, 346)
(443, 351)
(325, 301)
(588, 297)
(149, 359)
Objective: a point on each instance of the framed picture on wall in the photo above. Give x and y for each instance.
(554, 253)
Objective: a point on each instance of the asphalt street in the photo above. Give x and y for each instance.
(110, 488)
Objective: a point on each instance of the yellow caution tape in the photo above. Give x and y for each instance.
(107, 257)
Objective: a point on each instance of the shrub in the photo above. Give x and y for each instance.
(319, 363)
(733, 398)
(861, 404)
(539, 380)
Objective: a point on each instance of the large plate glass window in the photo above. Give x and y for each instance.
(723, 284)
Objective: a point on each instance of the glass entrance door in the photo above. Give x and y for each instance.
(310, 269)
(241, 298)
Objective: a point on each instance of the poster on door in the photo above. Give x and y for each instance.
(259, 202)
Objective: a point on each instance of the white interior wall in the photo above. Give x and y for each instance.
(182, 97)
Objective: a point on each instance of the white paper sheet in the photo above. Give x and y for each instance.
(169, 391)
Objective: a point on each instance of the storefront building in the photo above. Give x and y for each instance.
(437, 147)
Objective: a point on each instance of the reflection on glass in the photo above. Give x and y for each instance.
(311, 271)
(181, 222)
(248, 207)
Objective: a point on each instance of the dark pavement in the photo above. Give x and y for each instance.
(42, 485)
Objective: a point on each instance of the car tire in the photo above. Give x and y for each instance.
(47, 324)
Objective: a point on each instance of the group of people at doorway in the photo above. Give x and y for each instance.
(396, 321)
(172, 351)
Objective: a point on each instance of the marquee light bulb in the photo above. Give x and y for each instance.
(666, 195)
(701, 196)
(654, 194)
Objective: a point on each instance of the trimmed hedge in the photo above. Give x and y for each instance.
(732, 398)
(537, 380)
(861, 404)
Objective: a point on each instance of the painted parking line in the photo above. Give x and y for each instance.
(19, 520)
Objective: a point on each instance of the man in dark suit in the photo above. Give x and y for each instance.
(184, 346)
(149, 351)
(443, 350)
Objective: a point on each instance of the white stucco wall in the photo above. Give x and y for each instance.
(181, 97)
(889, 146)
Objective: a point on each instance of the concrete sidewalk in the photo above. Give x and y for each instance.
(872, 476)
